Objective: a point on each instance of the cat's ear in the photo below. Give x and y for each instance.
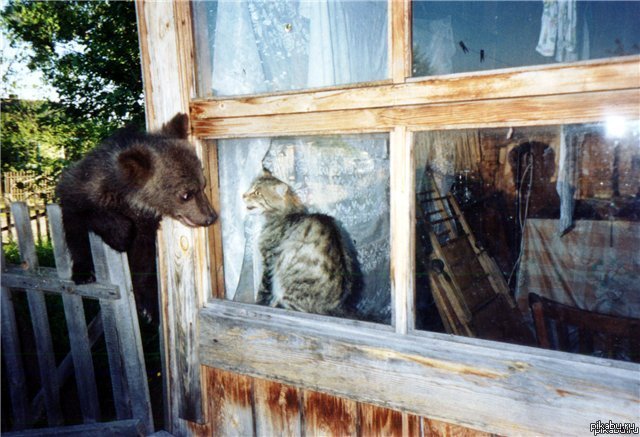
(281, 189)
(266, 172)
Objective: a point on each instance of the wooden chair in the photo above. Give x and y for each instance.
(597, 334)
(470, 293)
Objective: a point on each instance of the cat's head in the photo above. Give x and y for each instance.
(269, 195)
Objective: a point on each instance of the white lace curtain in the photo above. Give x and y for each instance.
(266, 46)
(280, 45)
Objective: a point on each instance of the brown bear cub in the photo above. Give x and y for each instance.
(122, 189)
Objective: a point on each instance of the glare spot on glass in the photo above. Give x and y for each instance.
(616, 127)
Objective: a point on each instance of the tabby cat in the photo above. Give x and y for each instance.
(306, 264)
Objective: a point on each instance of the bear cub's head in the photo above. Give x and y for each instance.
(164, 175)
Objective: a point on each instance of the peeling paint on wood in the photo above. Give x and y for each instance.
(376, 421)
(230, 404)
(435, 428)
(277, 408)
(412, 425)
(244, 406)
(329, 415)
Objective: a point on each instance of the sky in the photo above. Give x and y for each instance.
(22, 82)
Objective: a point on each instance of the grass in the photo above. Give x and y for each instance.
(44, 252)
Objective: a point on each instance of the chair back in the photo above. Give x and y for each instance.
(566, 328)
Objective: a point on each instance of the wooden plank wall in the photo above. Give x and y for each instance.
(242, 405)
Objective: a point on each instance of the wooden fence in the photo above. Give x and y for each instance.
(116, 320)
(27, 186)
(39, 224)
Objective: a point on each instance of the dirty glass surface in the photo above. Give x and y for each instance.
(515, 224)
(344, 176)
(248, 47)
(461, 36)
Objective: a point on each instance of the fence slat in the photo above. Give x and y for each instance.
(22, 186)
(119, 323)
(36, 218)
(12, 356)
(7, 214)
(45, 279)
(39, 223)
(39, 318)
(65, 369)
(112, 267)
(74, 314)
(112, 343)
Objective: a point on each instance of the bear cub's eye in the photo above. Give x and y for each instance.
(186, 196)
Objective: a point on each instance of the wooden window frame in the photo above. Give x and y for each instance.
(485, 385)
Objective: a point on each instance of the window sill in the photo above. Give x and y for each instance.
(491, 386)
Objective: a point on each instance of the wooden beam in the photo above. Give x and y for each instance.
(166, 46)
(399, 40)
(112, 267)
(76, 324)
(39, 318)
(12, 356)
(402, 184)
(589, 76)
(214, 233)
(495, 387)
(521, 111)
(45, 280)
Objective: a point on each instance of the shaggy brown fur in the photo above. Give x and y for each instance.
(121, 190)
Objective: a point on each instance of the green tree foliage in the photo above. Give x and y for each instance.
(40, 136)
(88, 51)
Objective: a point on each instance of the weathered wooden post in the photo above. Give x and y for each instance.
(75, 317)
(39, 318)
(12, 356)
(112, 267)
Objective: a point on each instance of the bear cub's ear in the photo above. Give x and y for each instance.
(177, 127)
(136, 165)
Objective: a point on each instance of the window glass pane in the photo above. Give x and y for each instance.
(306, 265)
(249, 47)
(460, 36)
(518, 222)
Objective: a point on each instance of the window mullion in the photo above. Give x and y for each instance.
(402, 229)
(399, 40)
